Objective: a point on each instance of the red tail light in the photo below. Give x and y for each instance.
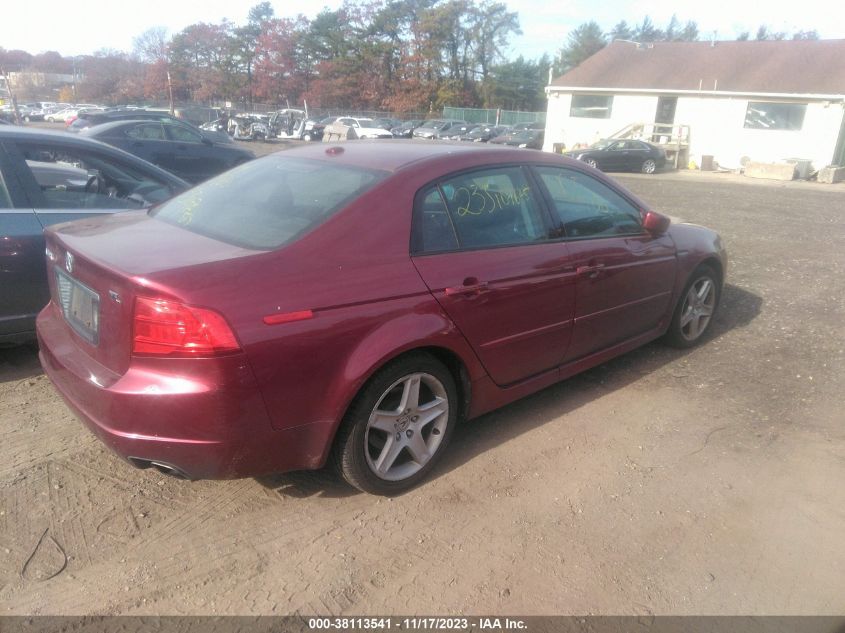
(161, 327)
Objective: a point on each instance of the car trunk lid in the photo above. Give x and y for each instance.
(97, 267)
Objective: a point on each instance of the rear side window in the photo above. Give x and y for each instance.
(267, 203)
(493, 207)
(433, 230)
(586, 207)
(147, 132)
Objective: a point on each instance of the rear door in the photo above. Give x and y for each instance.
(193, 159)
(23, 288)
(625, 275)
(481, 242)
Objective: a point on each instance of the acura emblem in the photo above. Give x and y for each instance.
(69, 261)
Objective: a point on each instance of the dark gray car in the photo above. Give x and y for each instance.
(178, 148)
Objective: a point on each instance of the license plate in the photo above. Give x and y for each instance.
(80, 306)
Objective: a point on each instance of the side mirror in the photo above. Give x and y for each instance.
(655, 223)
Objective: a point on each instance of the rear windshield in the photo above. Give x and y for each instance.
(267, 203)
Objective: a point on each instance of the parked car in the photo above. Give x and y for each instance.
(364, 128)
(533, 125)
(484, 133)
(90, 119)
(455, 131)
(350, 303)
(406, 128)
(386, 123)
(430, 129)
(50, 177)
(531, 139)
(622, 155)
(61, 115)
(176, 147)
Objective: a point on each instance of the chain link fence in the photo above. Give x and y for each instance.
(493, 115)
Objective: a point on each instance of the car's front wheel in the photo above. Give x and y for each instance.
(592, 162)
(398, 426)
(695, 310)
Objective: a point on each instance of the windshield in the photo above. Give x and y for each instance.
(267, 203)
(602, 144)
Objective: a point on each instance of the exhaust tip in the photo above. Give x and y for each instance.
(162, 467)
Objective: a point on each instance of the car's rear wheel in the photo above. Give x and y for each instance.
(695, 310)
(648, 166)
(398, 427)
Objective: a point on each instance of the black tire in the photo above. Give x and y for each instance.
(592, 162)
(356, 445)
(683, 335)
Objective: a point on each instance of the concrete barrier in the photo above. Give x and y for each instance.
(771, 171)
(830, 175)
(338, 132)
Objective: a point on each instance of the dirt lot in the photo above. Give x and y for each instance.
(706, 482)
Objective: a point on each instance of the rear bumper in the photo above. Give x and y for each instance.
(204, 418)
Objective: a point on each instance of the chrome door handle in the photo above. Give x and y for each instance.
(592, 271)
(468, 289)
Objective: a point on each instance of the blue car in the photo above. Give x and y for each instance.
(52, 177)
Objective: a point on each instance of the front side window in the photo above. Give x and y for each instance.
(493, 207)
(267, 203)
(591, 106)
(763, 115)
(72, 178)
(586, 207)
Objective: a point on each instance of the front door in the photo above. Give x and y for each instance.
(666, 110)
(481, 244)
(664, 119)
(624, 274)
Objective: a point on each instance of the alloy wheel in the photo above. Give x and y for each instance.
(406, 427)
(697, 309)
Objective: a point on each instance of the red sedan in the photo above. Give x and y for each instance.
(351, 303)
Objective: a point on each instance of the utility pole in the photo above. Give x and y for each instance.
(170, 92)
(12, 96)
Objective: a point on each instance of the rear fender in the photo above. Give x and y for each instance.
(394, 338)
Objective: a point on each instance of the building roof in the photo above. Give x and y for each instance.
(752, 67)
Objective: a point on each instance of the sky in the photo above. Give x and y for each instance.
(85, 26)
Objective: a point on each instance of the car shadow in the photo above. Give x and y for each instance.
(738, 308)
(474, 437)
(19, 362)
(308, 483)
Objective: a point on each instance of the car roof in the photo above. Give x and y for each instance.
(99, 130)
(396, 154)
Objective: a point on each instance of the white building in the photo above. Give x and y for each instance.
(764, 100)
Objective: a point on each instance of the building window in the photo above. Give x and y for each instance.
(762, 115)
(591, 106)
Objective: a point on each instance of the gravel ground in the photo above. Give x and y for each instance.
(663, 482)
